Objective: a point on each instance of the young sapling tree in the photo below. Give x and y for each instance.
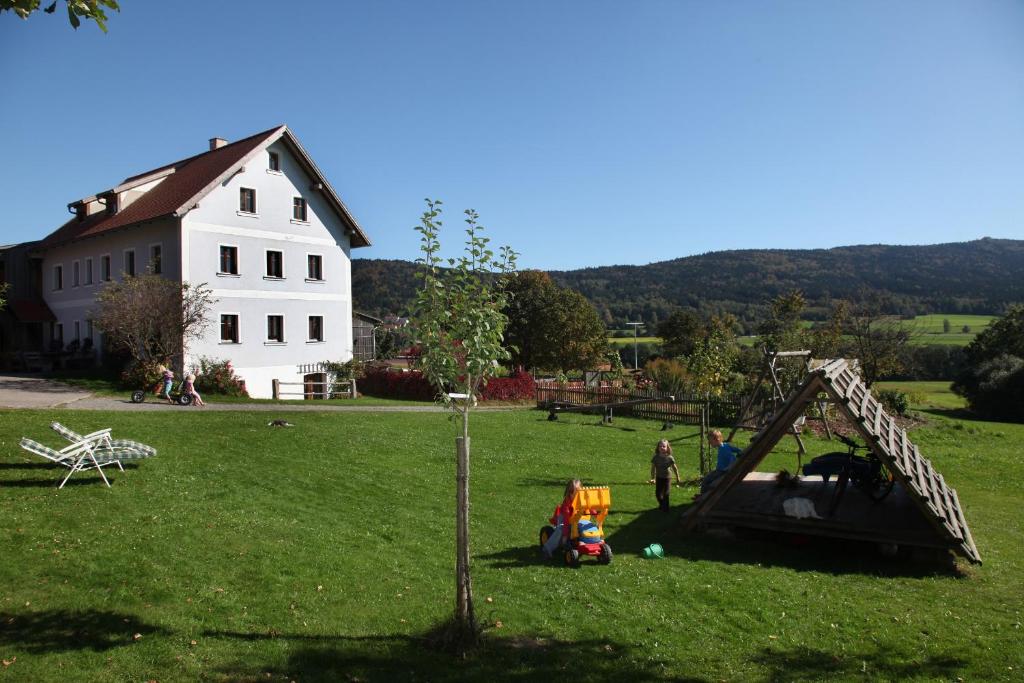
(459, 325)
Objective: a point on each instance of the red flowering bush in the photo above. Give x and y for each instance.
(218, 377)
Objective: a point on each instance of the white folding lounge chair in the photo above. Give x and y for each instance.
(77, 457)
(102, 444)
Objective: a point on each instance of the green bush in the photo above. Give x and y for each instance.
(894, 401)
(140, 375)
(670, 376)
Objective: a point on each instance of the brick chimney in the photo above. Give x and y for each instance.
(217, 143)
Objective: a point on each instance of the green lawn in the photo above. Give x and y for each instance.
(924, 395)
(628, 341)
(324, 552)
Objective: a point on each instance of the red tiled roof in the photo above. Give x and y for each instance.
(189, 177)
(31, 311)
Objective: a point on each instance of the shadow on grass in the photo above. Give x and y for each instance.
(417, 657)
(964, 414)
(808, 664)
(514, 558)
(610, 425)
(772, 549)
(53, 482)
(49, 466)
(64, 630)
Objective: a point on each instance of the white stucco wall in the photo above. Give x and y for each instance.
(253, 296)
(73, 302)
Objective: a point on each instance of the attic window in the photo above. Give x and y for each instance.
(275, 161)
(111, 203)
(247, 200)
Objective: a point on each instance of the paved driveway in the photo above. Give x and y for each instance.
(30, 391)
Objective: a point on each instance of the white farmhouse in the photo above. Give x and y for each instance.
(255, 220)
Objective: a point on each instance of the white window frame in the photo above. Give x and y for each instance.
(110, 268)
(266, 274)
(323, 329)
(58, 268)
(238, 260)
(284, 336)
(255, 202)
(88, 272)
(58, 337)
(76, 273)
(124, 263)
(322, 277)
(149, 264)
(271, 155)
(238, 328)
(300, 221)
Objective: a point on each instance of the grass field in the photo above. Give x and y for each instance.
(325, 552)
(624, 341)
(928, 329)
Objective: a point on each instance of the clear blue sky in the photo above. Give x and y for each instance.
(585, 133)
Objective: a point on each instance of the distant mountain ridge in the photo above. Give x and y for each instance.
(981, 276)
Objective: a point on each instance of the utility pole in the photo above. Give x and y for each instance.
(635, 363)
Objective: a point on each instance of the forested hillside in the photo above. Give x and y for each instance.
(966, 277)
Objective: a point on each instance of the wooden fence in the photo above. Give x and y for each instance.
(681, 409)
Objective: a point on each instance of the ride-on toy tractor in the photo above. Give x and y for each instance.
(583, 531)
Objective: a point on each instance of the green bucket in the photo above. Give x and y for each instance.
(654, 551)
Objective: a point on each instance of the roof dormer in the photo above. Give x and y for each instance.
(110, 201)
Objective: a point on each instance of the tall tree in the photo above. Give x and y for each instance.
(551, 327)
(875, 338)
(77, 10)
(152, 318)
(783, 330)
(680, 333)
(993, 378)
(459, 324)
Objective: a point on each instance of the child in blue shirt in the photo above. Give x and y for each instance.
(726, 453)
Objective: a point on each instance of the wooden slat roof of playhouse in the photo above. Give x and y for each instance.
(927, 488)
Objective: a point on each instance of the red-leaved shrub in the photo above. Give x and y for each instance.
(520, 386)
(385, 383)
(412, 385)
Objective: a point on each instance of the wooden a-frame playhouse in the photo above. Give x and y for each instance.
(922, 509)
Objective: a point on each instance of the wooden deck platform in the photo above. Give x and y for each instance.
(757, 502)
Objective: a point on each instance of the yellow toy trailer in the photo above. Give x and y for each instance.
(579, 526)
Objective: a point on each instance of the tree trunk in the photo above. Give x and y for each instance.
(465, 619)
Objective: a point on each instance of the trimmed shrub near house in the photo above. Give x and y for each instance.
(215, 376)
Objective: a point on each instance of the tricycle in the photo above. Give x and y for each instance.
(582, 530)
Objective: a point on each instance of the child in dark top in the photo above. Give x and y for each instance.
(662, 464)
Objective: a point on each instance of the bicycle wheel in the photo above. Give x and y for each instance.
(883, 485)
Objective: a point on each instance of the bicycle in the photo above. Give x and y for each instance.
(139, 395)
(867, 472)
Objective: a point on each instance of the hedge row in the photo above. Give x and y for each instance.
(412, 385)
